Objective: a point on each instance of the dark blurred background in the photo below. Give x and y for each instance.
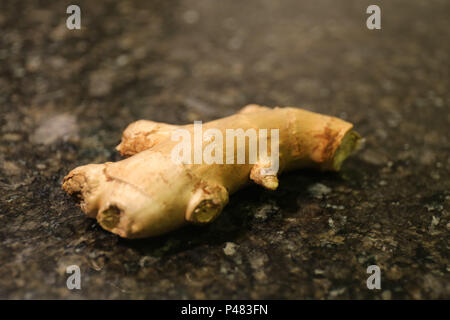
(66, 95)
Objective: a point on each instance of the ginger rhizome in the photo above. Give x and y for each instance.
(149, 194)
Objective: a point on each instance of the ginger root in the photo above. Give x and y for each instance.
(148, 194)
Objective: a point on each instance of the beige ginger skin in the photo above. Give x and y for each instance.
(148, 194)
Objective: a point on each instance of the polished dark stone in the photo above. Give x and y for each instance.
(66, 95)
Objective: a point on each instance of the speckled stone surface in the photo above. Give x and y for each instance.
(65, 97)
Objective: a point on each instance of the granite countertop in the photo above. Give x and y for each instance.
(66, 95)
